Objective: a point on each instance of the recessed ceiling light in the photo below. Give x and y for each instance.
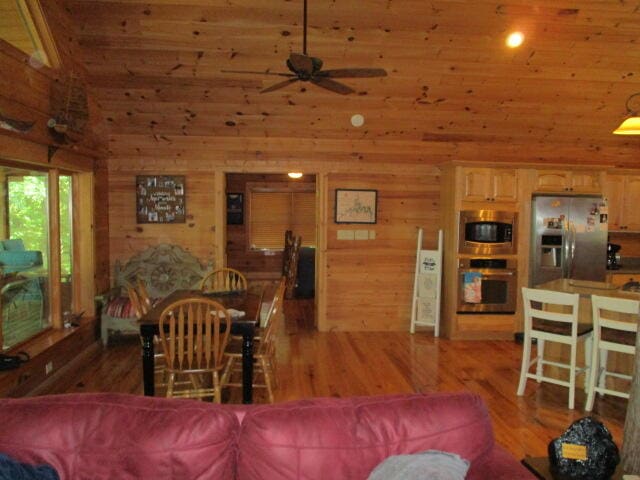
(357, 120)
(294, 174)
(515, 39)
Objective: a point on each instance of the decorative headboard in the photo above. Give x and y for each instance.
(164, 268)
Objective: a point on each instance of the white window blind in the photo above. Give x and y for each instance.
(273, 213)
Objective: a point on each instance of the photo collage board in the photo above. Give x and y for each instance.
(160, 199)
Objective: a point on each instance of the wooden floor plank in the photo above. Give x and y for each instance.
(342, 364)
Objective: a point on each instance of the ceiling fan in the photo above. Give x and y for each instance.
(309, 69)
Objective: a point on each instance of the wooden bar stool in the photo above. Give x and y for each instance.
(611, 333)
(545, 320)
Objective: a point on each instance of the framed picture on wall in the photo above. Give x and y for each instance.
(235, 208)
(356, 206)
(160, 199)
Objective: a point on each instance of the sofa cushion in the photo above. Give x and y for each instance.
(116, 436)
(348, 438)
(120, 307)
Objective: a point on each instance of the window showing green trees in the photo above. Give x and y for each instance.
(29, 215)
(29, 212)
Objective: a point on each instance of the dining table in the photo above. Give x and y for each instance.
(244, 325)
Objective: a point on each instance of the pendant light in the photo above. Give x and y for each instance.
(631, 125)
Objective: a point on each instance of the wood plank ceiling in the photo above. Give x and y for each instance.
(454, 88)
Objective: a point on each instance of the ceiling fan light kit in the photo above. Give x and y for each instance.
(306, 68)
(631, 125)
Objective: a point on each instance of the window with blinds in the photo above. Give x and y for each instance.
(272, 213)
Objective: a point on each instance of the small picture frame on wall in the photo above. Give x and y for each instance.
(160, 199)
(235, 208)
(356, 206)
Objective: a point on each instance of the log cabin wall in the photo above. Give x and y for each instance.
(369, 282)
(453, 92)
(25, 94)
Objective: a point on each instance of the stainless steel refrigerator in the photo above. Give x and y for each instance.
(569, 238)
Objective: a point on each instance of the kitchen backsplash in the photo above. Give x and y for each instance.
(629, 243)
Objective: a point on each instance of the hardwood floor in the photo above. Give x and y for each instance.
(342, 364)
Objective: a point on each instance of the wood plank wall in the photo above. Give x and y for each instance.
(25, 95)
(370, 282)
(196, 234)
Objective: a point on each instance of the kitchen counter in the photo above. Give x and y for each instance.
(587, 288)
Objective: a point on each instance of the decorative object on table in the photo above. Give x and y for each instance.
(235, 208)
(585, 451)
(356, 206)
(160, 199)
(425, 310)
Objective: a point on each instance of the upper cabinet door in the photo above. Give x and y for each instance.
(614, 193)
(553, 181)
(477, 183)
(505, 185)
(631, 207)
(586, 182)
(558, 181)
(490, 184)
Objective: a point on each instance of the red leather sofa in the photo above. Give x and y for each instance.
(116, 436)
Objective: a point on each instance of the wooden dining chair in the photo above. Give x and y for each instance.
(224, 280)
(546, 320)
(265, 354)
(291, 274)
(138, 306)
(615, 325)
(193, 334)
(143, 295)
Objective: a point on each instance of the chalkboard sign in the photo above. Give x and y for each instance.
(160, 199)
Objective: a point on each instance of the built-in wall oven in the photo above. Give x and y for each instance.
(487, 232)
(487, 285)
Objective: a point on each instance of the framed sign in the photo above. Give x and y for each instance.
(235, 208)
(160, 199)
(356, 206)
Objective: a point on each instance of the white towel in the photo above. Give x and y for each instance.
(235, 314)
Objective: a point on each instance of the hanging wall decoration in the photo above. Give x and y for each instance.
(160, 199)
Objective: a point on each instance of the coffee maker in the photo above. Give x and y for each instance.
(612, 260)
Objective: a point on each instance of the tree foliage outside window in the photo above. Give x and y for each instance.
(29, 215)
(66, 244)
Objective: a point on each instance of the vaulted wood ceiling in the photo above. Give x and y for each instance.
(453, 88)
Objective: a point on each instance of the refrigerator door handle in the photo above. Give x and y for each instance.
(572, 248)
(565, 250)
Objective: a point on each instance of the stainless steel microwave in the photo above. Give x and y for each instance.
(487, 232)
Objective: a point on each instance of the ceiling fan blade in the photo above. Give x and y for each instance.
(353, 73)
(332, 85)
(298, 63)
(259, 73)
(279, 85)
